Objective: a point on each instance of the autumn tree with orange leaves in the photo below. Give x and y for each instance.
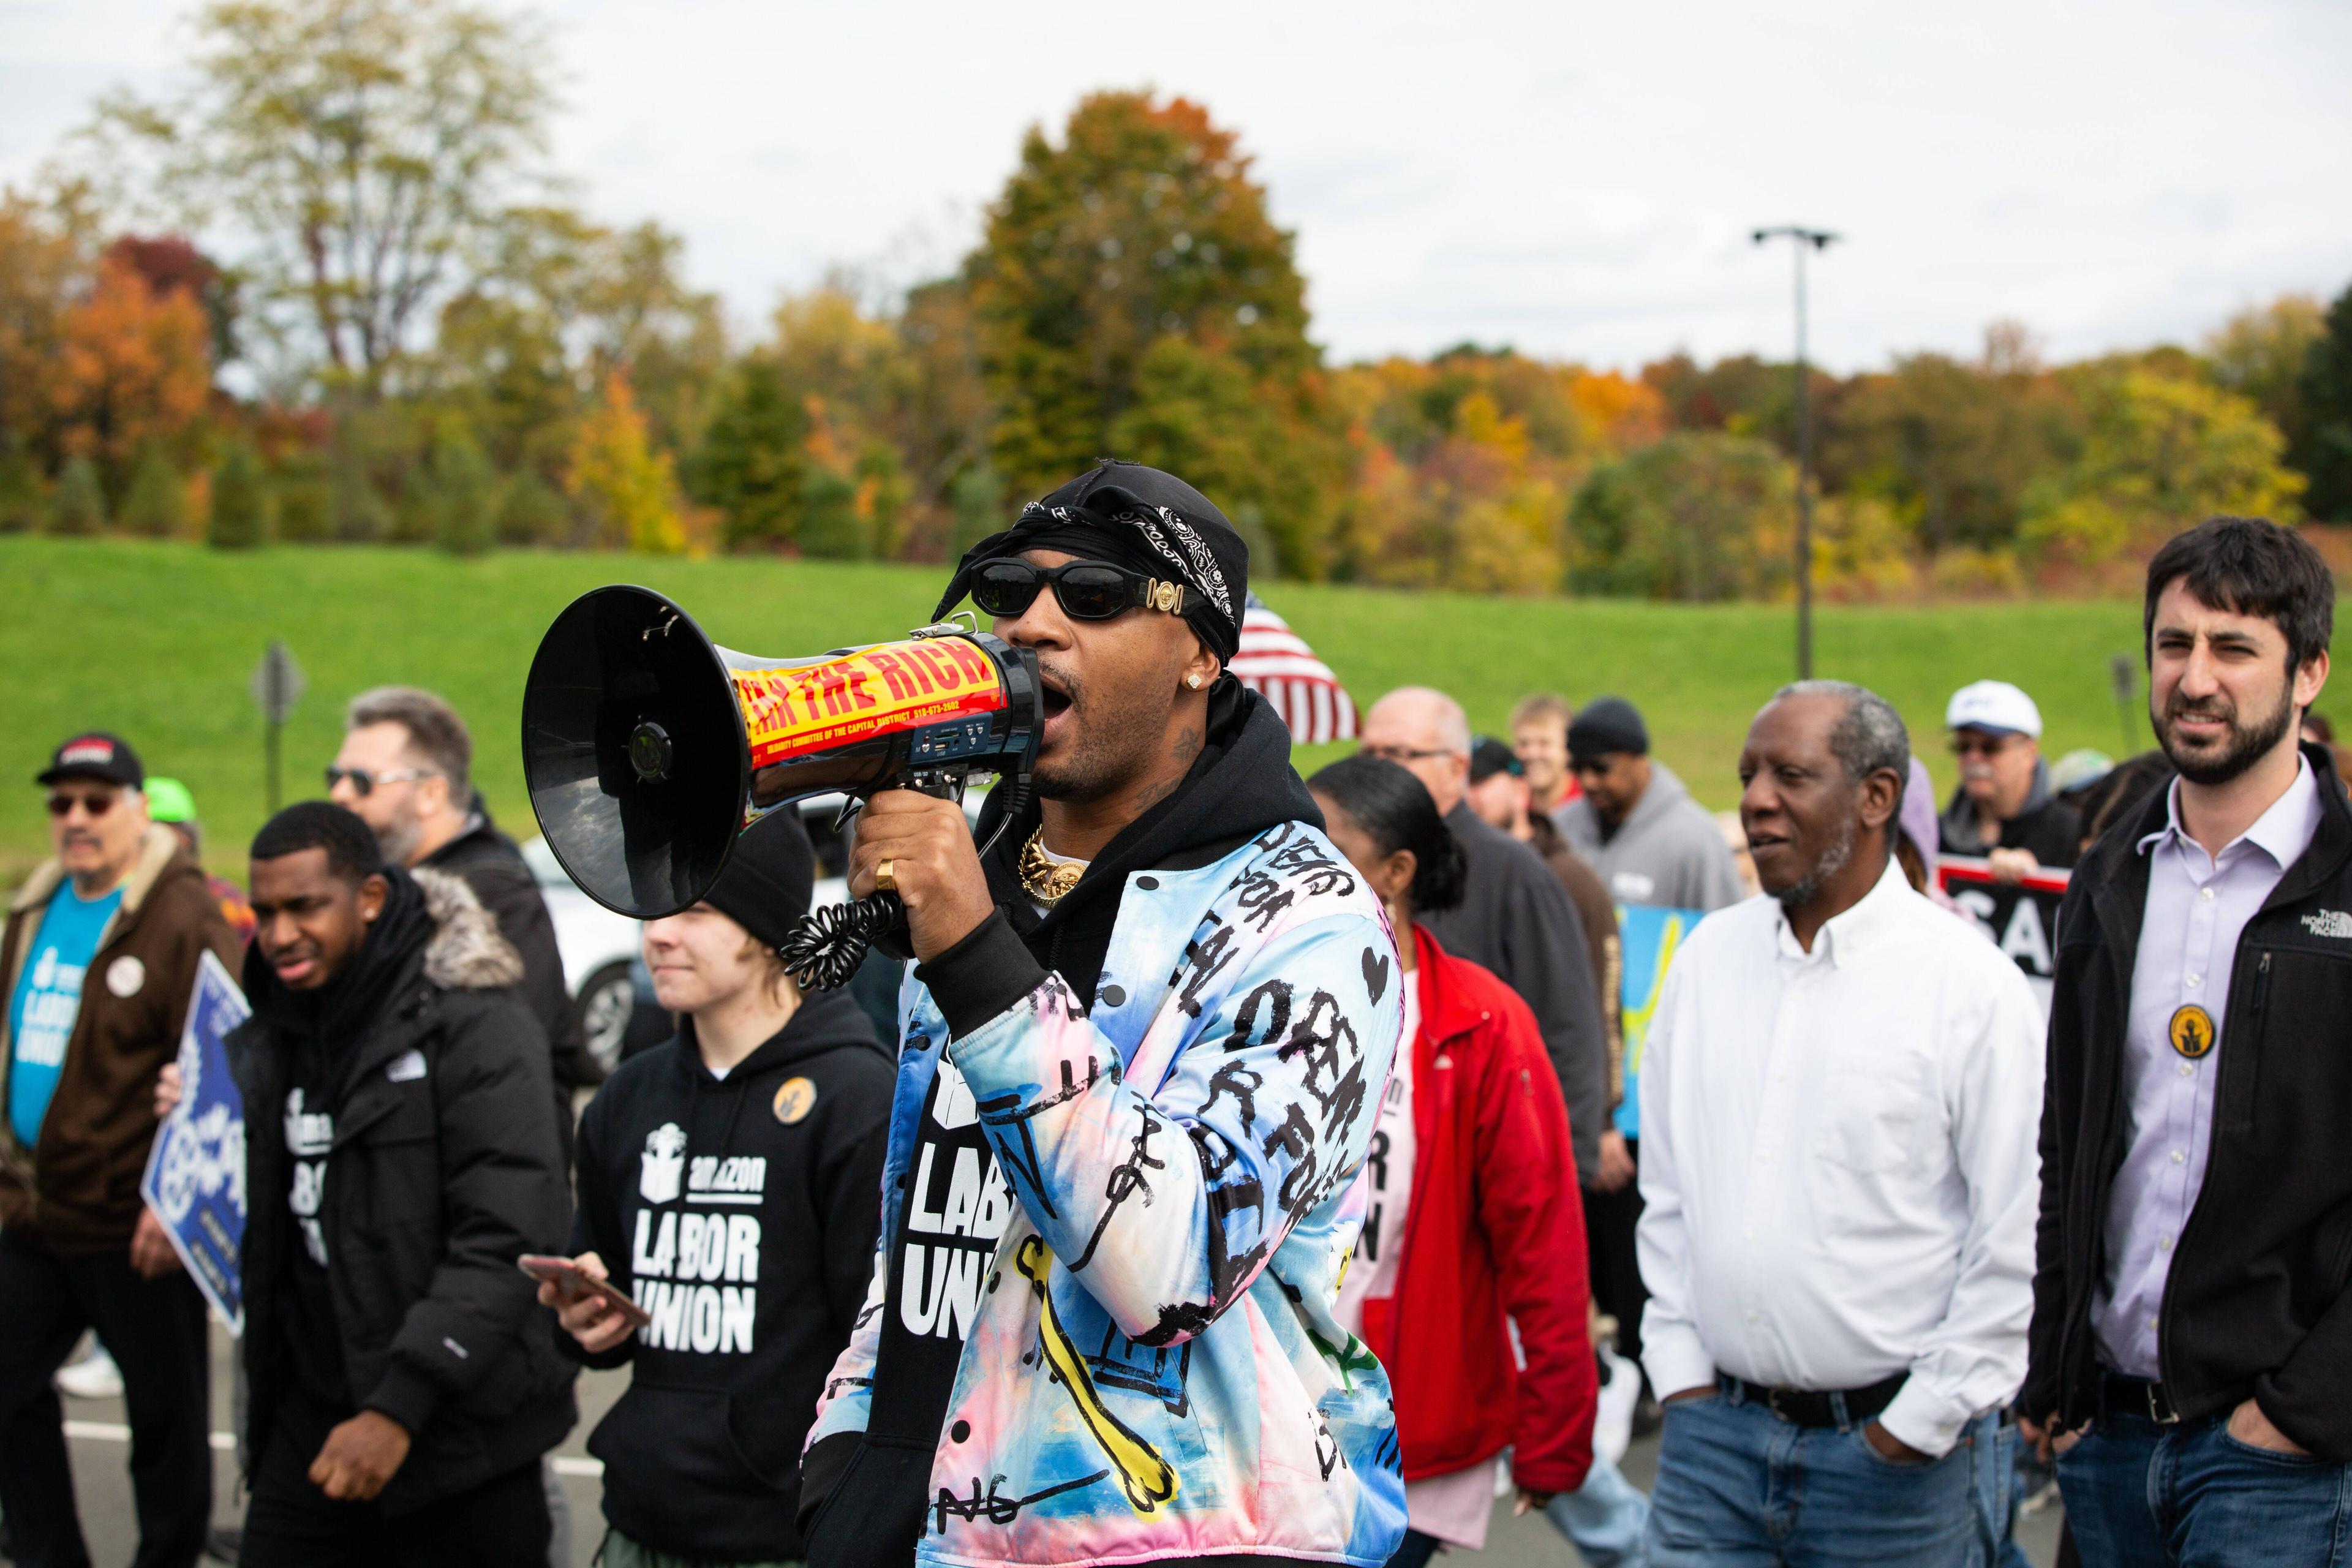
(132, 368)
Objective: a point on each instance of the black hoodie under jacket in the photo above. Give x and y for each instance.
(742, 1213)
(442, 1167)
(1239, 786)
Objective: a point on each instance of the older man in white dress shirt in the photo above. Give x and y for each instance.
(1839, 1102)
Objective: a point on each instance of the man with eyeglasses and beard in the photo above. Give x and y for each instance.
(1141, 1053)
(99, 957)
(2004, 811)
(2192, 1325)
(405, 770)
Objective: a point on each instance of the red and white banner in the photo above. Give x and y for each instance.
(1276, 663)
(2021, 917)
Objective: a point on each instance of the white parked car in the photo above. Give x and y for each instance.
(598, 948)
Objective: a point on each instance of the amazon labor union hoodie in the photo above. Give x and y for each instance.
(742, 1213)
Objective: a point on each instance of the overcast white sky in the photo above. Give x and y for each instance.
(1577, 180)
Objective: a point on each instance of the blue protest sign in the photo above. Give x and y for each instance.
(195, 1173)
(1649, 934)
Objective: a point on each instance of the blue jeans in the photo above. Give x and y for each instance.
(1606, 1518)
(1740, 1487)
(2191, 1496)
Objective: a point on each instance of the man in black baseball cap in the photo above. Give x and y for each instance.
(95, 755)
(99, 956)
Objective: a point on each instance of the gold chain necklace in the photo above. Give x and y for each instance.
(1047, 881)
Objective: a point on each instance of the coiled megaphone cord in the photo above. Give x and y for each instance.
(825, 949)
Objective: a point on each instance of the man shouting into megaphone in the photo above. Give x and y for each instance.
(1144, 1044)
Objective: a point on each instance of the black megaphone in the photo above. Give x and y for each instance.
(648, 747)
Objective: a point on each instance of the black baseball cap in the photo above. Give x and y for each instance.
(96, 755)
(1488, 757)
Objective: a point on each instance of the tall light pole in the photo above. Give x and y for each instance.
(1815, 240)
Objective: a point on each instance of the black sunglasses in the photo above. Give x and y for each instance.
(1086, 590)
(363, 780)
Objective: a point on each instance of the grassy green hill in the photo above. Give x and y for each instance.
(157, 641)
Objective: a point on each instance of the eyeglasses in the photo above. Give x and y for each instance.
(1086, 590)
(92, 805)
(1405, 754)
(363, 780)
(1986, 745)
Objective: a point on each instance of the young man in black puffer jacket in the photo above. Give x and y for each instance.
(731, 1180)
(401, 1155)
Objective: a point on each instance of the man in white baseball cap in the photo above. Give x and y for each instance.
(2004, 810)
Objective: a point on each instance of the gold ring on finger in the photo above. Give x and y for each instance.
(886, 875)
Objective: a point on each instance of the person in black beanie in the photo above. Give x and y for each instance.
(730, 1180)
(1635, 824)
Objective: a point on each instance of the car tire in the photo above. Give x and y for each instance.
(603, 1006)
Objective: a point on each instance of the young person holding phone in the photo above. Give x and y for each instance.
(730, 1181)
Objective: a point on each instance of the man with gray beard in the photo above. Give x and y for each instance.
(1838, 1172)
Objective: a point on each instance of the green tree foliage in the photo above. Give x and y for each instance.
(1951, 446)
(465, 495)
(882, 492)
(156, 505)
(978, 496)
(1133, 263)
(370, 147)
(2325, 395)
(524, 347)
(831, 527)
(240, 501)
(24, 506)
(79, 506)
(1699, 515)
(531, 513)
(750, 463)
(2260, 353)
(304, 487)
(2161, 453)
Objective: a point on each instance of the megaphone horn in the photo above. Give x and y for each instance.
(648, 747)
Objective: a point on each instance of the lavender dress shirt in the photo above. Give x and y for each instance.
(2196, 905)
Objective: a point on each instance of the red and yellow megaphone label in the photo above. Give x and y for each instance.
(791, 711)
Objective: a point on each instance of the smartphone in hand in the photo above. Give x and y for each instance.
(571, 1278)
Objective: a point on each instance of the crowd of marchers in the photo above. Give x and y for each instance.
(1245, 1165)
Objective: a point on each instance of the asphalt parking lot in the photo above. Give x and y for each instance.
(100, 1445)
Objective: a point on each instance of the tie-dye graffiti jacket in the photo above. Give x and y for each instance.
(1154, 1370)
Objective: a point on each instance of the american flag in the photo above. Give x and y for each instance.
(1276, 665)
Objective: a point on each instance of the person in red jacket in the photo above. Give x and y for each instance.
(1472, 1219)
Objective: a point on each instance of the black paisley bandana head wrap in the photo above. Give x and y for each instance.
(1148, 521)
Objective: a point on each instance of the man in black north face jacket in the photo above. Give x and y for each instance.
(401, 1155)
(2192, 1294)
